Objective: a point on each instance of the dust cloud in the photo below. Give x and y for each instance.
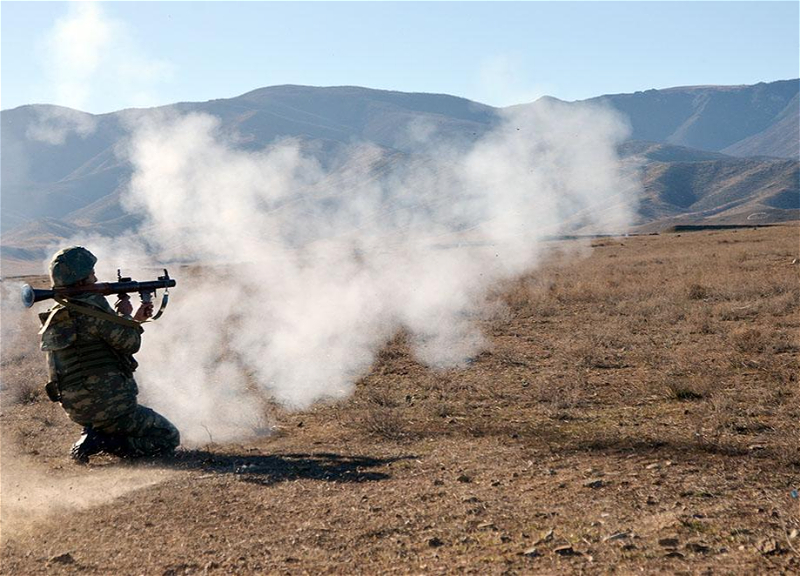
(31, 493)
(18, 342)
(303, 267)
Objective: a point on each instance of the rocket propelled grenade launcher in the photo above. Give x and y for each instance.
(121, 288)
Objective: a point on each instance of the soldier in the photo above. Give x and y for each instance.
(89, 351)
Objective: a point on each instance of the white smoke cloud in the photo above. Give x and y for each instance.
(305, 273)
(54, 125)
(77, 45)
(503, 80)
(91, 58)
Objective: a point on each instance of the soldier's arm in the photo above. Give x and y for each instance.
(124, 308)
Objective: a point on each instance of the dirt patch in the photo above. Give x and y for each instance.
(33, 493)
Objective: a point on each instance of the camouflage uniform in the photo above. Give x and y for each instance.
(91, 360)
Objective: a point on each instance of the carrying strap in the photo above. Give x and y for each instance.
(96, 313)
(46, 323)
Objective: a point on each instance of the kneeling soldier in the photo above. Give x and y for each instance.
(89, 351)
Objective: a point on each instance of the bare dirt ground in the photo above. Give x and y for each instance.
(637, 412)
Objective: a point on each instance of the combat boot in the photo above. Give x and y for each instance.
(89, 444)
(118, 446)
(94, 442)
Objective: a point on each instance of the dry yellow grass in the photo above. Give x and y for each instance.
(636, 412)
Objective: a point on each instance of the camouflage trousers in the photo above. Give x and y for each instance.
(107, 403)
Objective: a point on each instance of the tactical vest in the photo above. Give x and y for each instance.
(72, 355)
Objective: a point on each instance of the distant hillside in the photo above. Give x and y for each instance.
(684, 138)
(758, 120)
(656, 152)
(697, 185)
(732, 189)
(342, 113)
(779, 139)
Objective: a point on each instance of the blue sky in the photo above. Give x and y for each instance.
(112, 55)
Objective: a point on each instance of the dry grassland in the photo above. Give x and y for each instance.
(637, 412)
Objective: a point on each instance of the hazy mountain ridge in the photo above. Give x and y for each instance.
(54, 189)
(779, 139)
(757, 120)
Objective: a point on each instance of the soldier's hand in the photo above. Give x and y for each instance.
(123, 305)
(144, 312)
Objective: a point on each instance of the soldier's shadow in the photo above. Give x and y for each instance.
(273, 468)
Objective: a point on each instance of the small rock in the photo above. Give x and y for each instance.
(673, 554)
(471, 500)
(698, 548)
(486, 526)
(546, 538)
(464, 478)
(505, 538)
(595, 483)
(793, 534)
(653, 466)
(566, 551)
(796, 261)
(65, 558)
(617, 536)
(756, 447)
(651, 501)
(629, 546)
(770, 547)
(435, 542)
(531, 553)
(438, 482)
(668, 542)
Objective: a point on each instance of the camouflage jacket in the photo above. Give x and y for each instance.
(79, 345)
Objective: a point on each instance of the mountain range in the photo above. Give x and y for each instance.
(721, 154)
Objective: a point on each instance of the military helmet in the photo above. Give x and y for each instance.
(71, 265)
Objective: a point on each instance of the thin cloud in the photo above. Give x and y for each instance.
(503, 81)
(90, 53)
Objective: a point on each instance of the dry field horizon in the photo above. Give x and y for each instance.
(636, 410)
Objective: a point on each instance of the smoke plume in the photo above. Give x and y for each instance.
(303, 269)
(89, 58)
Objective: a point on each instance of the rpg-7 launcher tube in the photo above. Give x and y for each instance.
(32, 295)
